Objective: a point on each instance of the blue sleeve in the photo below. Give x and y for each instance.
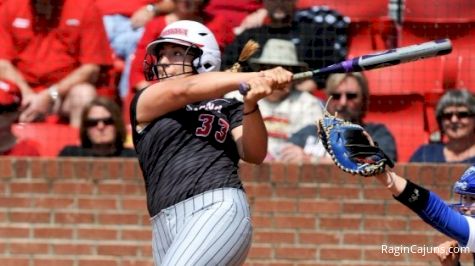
(446, 220)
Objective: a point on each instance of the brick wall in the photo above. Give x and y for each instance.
(82, 212)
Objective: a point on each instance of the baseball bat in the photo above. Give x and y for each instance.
(386, 58)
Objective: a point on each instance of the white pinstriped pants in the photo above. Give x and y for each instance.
(212, 228)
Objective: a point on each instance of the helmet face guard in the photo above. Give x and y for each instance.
(191, 34)
(465, 187)
(151, 64)
(464, 208)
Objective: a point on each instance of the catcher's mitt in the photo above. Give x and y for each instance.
(350, 148)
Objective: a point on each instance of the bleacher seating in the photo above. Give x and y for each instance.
(461, 34)
(51, 137)
(419, 77)
(371, 36)
(437, 11)
(453, 19)
(403, 97)
(404, 115)
(466, 71)
(425, 78)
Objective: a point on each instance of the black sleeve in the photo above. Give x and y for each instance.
(414, 197)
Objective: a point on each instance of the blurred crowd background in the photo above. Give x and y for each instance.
(68, 71)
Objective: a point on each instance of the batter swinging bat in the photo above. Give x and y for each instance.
(387, 58)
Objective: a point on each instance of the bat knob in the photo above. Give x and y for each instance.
(244, 88)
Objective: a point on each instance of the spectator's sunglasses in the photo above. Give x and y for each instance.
(349, 95)
(93, 122)
(459, 115)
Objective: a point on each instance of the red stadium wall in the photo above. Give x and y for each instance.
(82, 212)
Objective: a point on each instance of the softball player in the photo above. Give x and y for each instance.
(189, 142)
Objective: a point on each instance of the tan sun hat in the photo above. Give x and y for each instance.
(278, 52)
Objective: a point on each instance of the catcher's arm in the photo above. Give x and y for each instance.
(353, 151)
(431, 208)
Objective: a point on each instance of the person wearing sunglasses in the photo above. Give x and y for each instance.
(102, 132)
(348, 97)
(455, 114)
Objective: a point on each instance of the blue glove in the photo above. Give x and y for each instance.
(350, 148)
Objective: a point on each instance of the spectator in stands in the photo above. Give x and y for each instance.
(102, 132)
(237, 12)
(455, 113)
(319, 34)
(286, 111)
(189, 10)
(349, 94)
(10, 101)
(53, 50)
(124, 22)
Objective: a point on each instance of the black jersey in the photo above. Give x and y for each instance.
(188, 151)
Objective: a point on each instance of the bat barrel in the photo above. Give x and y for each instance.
(386, 58)
(405, 54)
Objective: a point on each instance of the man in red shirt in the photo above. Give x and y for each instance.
(10, 100)
(124, 23)
(53, 50)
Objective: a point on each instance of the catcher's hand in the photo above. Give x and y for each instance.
(448, 253)
(351, 148)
